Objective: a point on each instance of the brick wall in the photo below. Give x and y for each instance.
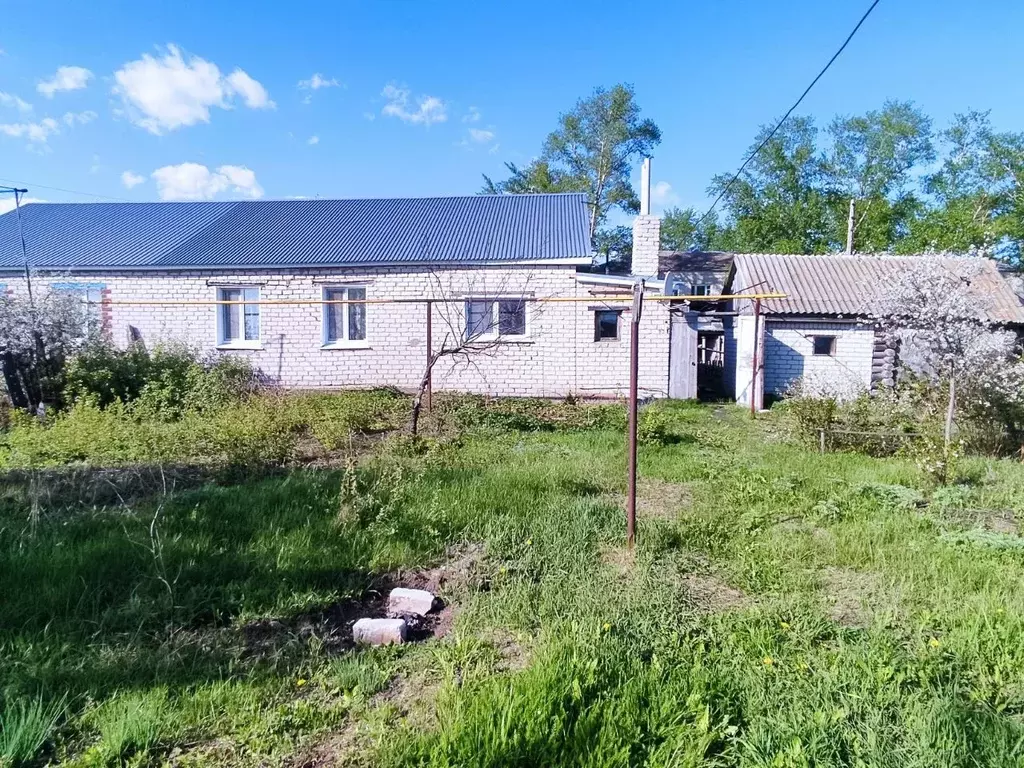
(646, 245)
(789, 356)
(560, 356)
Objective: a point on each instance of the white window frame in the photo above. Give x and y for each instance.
(92, 311)
(241, 343)
(700, 289)
(345, 343)
(495, 302)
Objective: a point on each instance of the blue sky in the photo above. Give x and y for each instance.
(204, 99)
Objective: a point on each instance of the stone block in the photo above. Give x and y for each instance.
(411, 602)
(379, 631)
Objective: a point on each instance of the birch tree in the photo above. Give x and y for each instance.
(592, 151)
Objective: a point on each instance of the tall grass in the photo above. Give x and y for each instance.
(26, 725)
(782, 608)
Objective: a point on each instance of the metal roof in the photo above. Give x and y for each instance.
(292, 233)
(839, 284)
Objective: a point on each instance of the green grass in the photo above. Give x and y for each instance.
(782, 608)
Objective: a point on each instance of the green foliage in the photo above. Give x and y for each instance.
(591, 151)
(781, 607)
(654, 428)
(163, 384)
(25, 726)
(530, 414)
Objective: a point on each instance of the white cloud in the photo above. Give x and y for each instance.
(168, 93)
(472, 116)
(33, 132)
(252, 92)
(428, 110)
(10, 100)
(65, 79)
(131, 179)
(662, 195)
(79, 118)
(7, 202)
(494, 150)
(192, 181)
(318, 81)
(480, 136)
(313, 140)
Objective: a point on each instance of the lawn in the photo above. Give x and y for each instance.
(782, 608)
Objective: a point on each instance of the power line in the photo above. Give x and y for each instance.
(68, 191)
(796, 104)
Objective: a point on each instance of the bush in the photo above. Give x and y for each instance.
(163, 384)
(529, 414)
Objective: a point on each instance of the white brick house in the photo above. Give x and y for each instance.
(155, 272)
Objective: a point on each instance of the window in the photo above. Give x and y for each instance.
(238, 325)
(91, 297)
(495, 317)
(700, 290)
(824, 345)
(344, 324)
(606, 324)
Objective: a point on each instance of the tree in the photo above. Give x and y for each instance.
(683, 230)
(465, 338)
(613, 247)
(783, 201)
(871, 161)
(37, 336)
(538, 176)
(945, 336)
(979, 202)
(591, 151)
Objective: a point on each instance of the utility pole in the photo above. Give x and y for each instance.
(850, 224)
(21, 234)
(634, 372)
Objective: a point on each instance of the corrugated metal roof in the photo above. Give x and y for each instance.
(282, 233)
(837, 284)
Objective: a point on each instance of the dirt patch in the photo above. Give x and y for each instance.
(346, 746)
(999, 521)
(620, 559)
(711, 594)
(658, 499)
(461, 570)
(853, 597)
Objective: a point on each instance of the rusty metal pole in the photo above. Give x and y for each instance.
(430, 351)
(634, 371)
(754, 366)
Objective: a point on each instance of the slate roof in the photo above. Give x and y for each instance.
(694, 261)
(837, 284)
(294, 233)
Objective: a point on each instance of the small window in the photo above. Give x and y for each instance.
(824, 345)
(239, 324)
(495, 317)
(344, 323)
(606, 324)
(700, 290)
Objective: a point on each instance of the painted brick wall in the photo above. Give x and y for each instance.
(789, 356)
(560, 357)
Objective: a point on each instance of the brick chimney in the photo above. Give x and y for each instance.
(646, 229)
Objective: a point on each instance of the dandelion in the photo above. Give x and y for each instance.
(529, 542)
(768, 661)
(607, 627)
(784, 625)
(301, 682)
(803, 666)
(934, 643)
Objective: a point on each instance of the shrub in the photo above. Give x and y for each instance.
(163, 384)
(654, 428)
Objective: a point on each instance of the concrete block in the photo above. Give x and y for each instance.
(411, 602)
(379, 631)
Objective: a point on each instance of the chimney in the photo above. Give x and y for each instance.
(646, 229)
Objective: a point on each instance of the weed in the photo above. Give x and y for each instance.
(25, 726)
